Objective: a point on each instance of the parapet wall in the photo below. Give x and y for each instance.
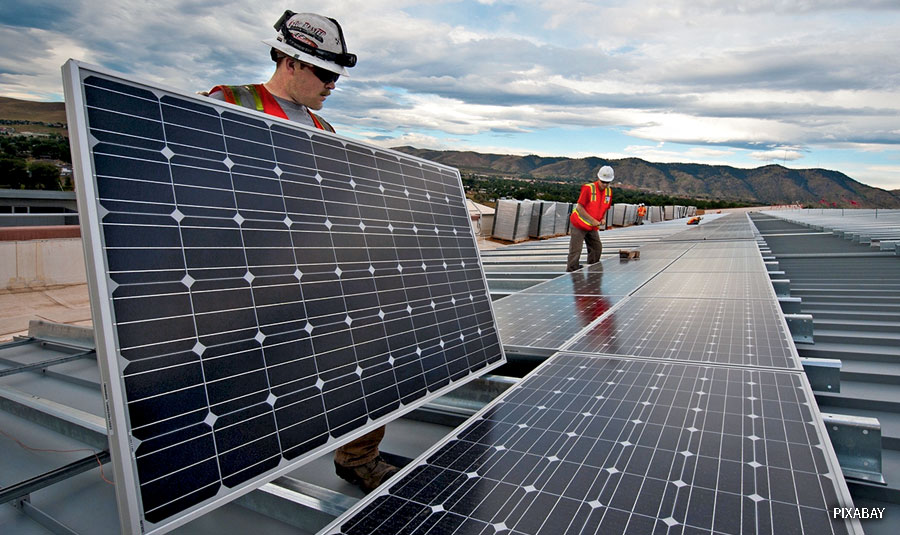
(41, 263)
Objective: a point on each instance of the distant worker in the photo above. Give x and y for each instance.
(310, 54)
(641, 213)
(587, 218)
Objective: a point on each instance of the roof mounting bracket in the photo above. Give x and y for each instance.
(801, 327)
(782, 287)
(790, 305)
(824, 375)
(857, 443)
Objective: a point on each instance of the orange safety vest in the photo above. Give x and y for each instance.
(257, 97)
(595, 205)
(642, 211)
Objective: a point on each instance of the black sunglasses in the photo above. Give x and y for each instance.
(324, 75)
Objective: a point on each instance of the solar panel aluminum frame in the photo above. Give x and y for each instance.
(830, 457)
(113, 389)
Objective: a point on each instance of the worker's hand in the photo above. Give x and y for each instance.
(203, 93)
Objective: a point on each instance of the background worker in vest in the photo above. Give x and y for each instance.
(587, 218)
(641, 214)
(310, 54)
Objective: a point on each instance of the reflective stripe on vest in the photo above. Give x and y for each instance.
(253, 96)
(263, 101)
(315, 120)
(576, 214)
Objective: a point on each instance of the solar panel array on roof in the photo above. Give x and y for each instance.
(262, 292)
(678, 416)
(590, 444)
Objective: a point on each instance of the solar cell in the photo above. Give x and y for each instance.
(589, 444)
(262, 291)
(748, 332)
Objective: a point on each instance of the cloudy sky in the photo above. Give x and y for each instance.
(802, 83)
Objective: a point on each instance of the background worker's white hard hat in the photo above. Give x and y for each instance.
(606, 174)
(312, 39)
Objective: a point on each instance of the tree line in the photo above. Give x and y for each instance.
(39, 123)
(27, 162)
(488, 189)
(24, 165)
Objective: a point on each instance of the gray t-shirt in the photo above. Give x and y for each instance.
(295, 112)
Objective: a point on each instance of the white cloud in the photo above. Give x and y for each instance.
(776, 155)
(737, 77)
(680, 128)
(29, 67)
(656, 153)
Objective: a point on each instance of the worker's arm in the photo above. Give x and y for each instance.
(583, 214)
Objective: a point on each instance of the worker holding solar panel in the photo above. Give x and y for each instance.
(310, 54)
(587, 217)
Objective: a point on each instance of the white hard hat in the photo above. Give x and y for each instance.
(312, 39)
(606, 174)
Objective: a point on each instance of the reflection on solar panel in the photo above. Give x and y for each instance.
(531, 322)
(592, 282)
(710, 284)
(600, 445)
(748, 332)
(618, 267)
(262, 291)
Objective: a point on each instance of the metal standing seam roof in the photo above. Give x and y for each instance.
(843, 266)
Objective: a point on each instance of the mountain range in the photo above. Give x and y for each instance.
(769, 184)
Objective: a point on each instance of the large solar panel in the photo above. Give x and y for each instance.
(588, 444)
(262, 292)
(728, 227)
(666, 249)
(722, 249)
(710, 284)
(726, 264)
(741, 332)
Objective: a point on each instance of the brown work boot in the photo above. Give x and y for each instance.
(366, 476)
